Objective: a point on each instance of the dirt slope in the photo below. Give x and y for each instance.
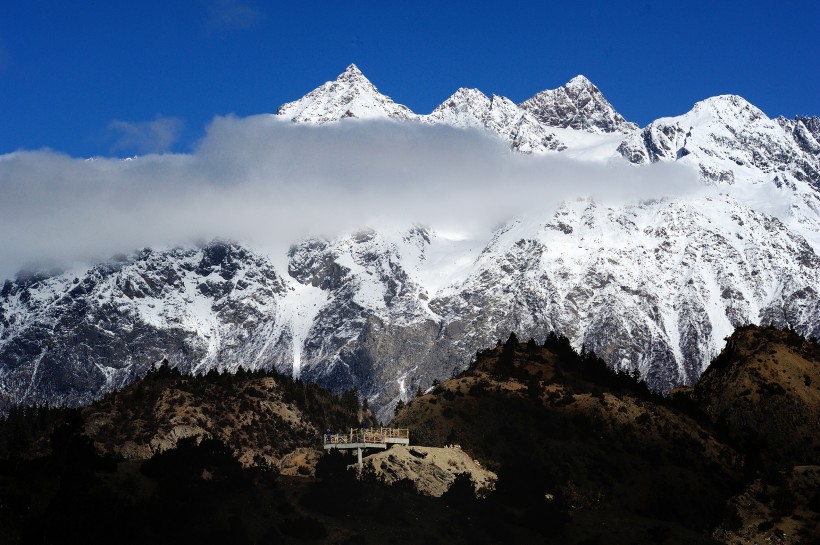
(431, 470)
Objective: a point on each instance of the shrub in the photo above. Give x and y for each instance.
(461, 493)
(303, 528)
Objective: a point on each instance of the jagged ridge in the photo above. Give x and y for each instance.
(577, 105)
(652, 286)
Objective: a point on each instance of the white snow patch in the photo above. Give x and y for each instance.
(299, 309)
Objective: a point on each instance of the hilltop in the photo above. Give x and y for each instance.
(264, 418)
(763, 390)
(553, 422)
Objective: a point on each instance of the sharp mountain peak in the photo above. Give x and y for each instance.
(351, 73)
(578, 104)
(580, 81)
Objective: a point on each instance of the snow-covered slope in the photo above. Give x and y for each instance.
(773, 165)
(729, 140)
(577, 105)
(351, 95)
(653, 286)
(66, 337)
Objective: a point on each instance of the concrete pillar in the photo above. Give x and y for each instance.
(359, 455)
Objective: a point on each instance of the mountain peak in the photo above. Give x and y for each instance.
(352, 72)
(464, 108)
(497, 114)
(724, 132)
(350, 95)
(736, 100)
(729, 103)
(580, 81)
(468, 92)
(462, 96)
(726, 110)
(579, 104)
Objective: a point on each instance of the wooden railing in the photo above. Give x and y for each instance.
(366, 435)
(396, 433)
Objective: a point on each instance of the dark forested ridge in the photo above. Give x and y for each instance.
(551, 421)
(260, 415)
(583, 455)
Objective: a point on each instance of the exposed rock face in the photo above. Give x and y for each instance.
(805, 131)
(69, 337)
(577, 105)
(730, 140)
(374, 313)
(432, 470)
(499, 115)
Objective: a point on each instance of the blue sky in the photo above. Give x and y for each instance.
(117, 78)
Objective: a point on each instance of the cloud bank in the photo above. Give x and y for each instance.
(272, 183)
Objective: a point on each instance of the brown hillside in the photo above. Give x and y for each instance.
(265, 418)
(573, 429)
(763, 391)
(581, 455)
(780, 508)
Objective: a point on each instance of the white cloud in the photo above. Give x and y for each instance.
(272, 183)
(154, 136)
(231, 15)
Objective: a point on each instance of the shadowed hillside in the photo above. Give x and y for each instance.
(763, 391)
(264, 417)
(551, 421)
(582, 454)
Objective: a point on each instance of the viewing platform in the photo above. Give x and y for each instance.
(365, 438)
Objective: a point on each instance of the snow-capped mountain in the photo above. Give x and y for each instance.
(772, 164)
(66, 337)
(728, 140)
(527, 128)
(577, 105)
(351, 95)
(654, 286)
(472, 109)
(651, 285)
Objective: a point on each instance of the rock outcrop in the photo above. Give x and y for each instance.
(432, 470)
